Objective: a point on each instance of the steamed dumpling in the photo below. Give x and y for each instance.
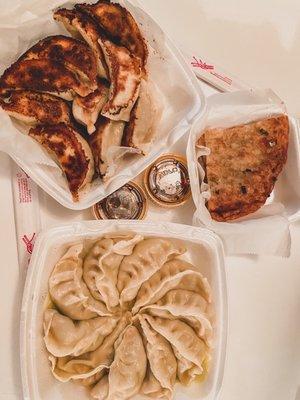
(160, 356)
(182, 337)
(128, 317)
(128, 369)
(68, 291)
(187, 371)
(92, 380)
(64, 337)
(147, 258)
(201, 325)
(91, 262)
(182, 302)
(100, 391)
(101, 267)
(188, 306)
(152, 388)
(88, 364)
(173, 274)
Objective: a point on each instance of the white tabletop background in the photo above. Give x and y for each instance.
(259, 41)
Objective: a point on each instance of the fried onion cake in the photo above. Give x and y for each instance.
(107, 135)
(119, 26)
(43, 75)
(243, 165)
(71, 152)
(74, 54)
(86, 110)
(36, 108)
(81, 26)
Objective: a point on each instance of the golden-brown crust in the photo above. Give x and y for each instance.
(119, 25)
(124, 68)
(244, 164)
(73, 53)
(125, 75)
(91, 101)
(42, 76)
(59, 140)
(81, 23)
(40, 107)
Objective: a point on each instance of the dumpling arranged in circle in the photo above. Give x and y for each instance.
(128, 315)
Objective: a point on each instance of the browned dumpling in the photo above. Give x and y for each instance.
(81, 26)
(119, 26)
(108, 134)
(86, 110)
(70, 150)
(73, 53)
(36, 108)
(43, 75)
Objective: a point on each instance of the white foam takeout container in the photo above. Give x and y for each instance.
(180, 99)
(204, 249)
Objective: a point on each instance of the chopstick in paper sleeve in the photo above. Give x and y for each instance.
(213, 75)
(27, 214)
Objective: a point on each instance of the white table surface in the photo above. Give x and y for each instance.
(258, 40)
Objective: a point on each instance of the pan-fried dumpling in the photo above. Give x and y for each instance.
(86, 110)
(139, 132)
(68, 291)
(81, 26)
(101, 266)
(125, 70)
(43, 75)
(64, 337)
(147, 257)
(182, 337)
(107, 136)
(119, 25)
(125, 76)
(173, 274)
(88, 364)
(128, 370)
(152, 388)
(100, 391)
(36, 108)
(187, 371)
(71, 152)
(160, 356)
(74, 54)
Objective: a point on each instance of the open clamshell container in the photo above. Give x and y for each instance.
(204, 249)
(179, 99)
(265, 231)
